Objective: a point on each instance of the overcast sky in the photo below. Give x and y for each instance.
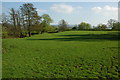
(73, 12)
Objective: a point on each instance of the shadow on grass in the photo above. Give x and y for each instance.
(85, 37)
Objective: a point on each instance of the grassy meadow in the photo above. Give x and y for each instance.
(69, 54)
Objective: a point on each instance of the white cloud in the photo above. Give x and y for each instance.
(97, 9)
(41, 10)
(62, 8)
(106, 10)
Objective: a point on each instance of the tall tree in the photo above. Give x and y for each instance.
(84, 25)
(13, 19)
(63, 25)
(46, 20)
(19, 23)
(116, 26)
(16, 20)
(101, 27)
(110, 22)
(30, 16)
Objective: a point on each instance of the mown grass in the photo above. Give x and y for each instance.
(70, 54)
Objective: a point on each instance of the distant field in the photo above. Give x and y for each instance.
(70, 54)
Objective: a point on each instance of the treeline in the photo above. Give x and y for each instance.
(25, 22)
(111, 25)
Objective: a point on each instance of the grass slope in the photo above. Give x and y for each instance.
(70, 54)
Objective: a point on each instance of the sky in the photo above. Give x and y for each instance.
(72, 12)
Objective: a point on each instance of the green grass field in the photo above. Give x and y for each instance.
(70, 54)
